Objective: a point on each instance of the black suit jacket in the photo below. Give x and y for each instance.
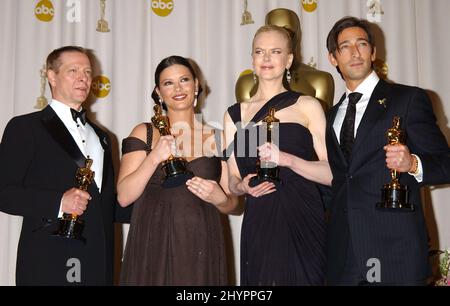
(397, 240)
(39, 159)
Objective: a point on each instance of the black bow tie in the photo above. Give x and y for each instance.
(81, 114)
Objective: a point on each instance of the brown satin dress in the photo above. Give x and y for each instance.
(175, 238)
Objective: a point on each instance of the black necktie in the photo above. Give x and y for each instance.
(348, 126)
(81, 114)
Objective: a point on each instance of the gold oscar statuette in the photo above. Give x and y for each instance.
(394, 196)
(102, 24)
(267, 170)
(41, 101)
(70, 225)
(175, 167)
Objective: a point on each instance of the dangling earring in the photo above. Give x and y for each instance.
(161, 103)
(288, 76)
(254, 77)
(195, 100)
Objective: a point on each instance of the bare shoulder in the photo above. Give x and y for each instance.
(140, 131)
(309, 103)
(227, 119)
(311, 110)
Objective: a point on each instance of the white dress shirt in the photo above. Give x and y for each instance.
(366, 89)
(85, 138)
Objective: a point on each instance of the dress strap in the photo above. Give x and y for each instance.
(280, 101)
(235, 112)
(219, 144)
(149, 137)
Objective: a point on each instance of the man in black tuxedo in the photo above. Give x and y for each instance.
(366, 245)
(40, 154)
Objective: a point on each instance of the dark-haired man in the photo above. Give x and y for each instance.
(367, 245)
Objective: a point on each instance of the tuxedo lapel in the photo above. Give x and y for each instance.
(56, 128)
(101, 135)
(372, 114)
(107, 160)
(331, 132)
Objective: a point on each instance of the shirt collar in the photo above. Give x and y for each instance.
(367, 86)
(63, 111)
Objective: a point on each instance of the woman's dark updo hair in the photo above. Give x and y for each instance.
(167, 62)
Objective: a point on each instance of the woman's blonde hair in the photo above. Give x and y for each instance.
(274, 28)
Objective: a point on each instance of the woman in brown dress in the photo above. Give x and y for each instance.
(175, 236)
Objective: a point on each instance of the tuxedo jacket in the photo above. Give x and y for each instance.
(397, 239)
(39, 160)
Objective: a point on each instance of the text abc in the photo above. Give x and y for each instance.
(162, 5)
(99, 86)
(43, 10)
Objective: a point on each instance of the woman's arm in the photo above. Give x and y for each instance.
(236, 184)
(136, 168)
(316, 171)
(217, 194)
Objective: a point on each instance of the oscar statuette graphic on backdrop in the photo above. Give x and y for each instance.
(41, 101)
(246, 15)
(102, 24)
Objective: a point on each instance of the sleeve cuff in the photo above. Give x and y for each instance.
(60, 214)
(418, 175)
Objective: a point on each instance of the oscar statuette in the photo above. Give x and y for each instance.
(70, 225)
(267, 170)
(174, 168)
(102, 24)
(246, 15)
(394, 196)
(41, 101)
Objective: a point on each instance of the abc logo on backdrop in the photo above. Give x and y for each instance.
(44, 11)
(101, 86)
(309, 5)
(162, 7)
